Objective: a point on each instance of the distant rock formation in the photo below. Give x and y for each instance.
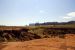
(52, 23)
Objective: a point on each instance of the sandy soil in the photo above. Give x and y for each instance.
(43, 44)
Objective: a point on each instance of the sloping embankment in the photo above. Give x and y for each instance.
(44, 44)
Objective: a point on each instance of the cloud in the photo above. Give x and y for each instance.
(67, 17)
(72, 14)
(42, 11)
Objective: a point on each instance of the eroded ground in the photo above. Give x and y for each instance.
(43, 44)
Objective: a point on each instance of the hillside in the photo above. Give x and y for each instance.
(53, 23)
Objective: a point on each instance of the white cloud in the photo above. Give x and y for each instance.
(42, 11)
(72, 14)
(67, 17)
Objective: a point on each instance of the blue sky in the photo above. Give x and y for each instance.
(24, 12)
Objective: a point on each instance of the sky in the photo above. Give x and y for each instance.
(24, 12)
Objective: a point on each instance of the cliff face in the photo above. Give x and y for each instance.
(35, 33)
(17, 35)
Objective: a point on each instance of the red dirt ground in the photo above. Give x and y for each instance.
(44, 44)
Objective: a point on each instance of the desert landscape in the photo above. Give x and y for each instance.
(37, 37)
(37, 24)
(43, 44)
